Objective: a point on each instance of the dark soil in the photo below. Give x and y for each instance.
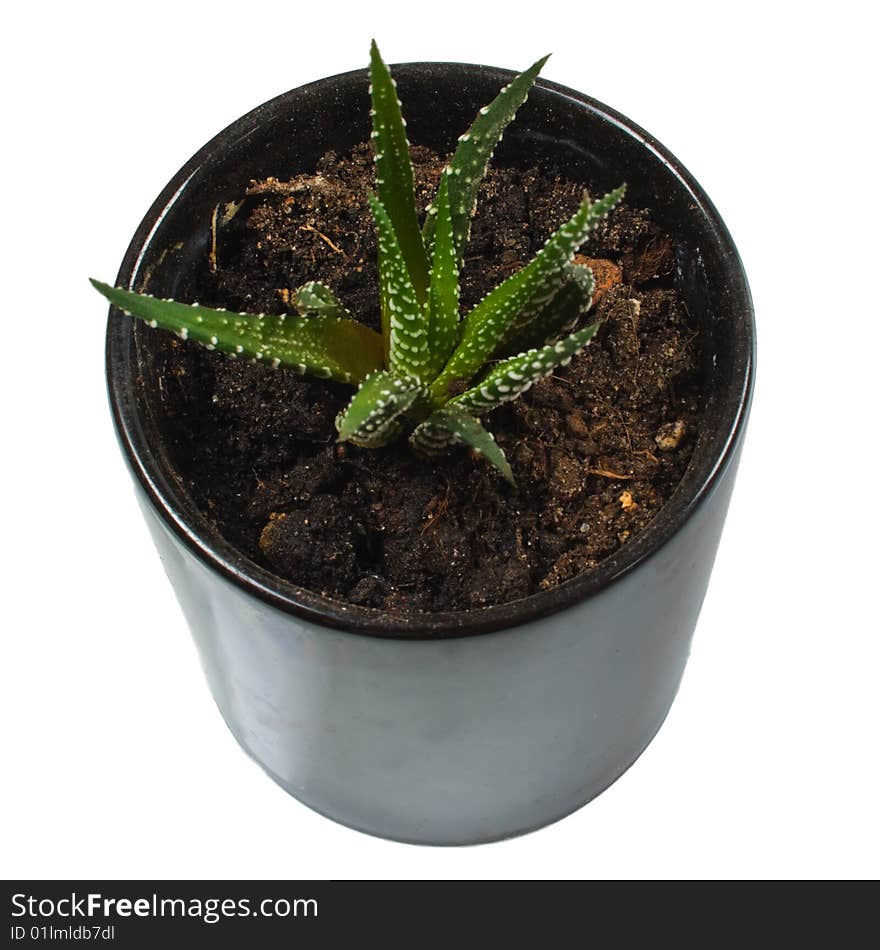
(596, 449)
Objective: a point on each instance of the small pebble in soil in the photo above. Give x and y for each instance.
(669, 435)
(626, 501)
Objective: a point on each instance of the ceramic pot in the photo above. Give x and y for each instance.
(463, 727)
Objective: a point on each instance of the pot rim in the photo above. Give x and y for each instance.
(193, 529)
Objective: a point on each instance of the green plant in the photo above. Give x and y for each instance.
(427, 372)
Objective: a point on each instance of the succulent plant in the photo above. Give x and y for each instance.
(432, 371)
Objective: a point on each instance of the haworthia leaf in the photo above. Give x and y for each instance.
(330, 347)
(314, 298)
(521, 295)
(556, 317)
(402, 314)
(373, 417)
(475, 148)
(514, 376)
(443, 289)
(453, 424)
(394, 177)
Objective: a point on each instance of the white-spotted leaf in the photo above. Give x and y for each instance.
(316, 299)
(443, 315)
(373, 417)
(558, 316)
(402, 313)
(514, 376)
(329, 347)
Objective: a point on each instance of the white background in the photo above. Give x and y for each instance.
(116, 762)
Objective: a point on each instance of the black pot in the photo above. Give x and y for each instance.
(465, 727)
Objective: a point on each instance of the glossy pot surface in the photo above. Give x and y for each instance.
(466, 727)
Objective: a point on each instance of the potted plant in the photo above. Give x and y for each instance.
(437, 726)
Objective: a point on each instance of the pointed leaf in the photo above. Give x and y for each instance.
(452, 424)
(514, 376)
(521, 296)
(475, 148)
(443, 312)
(373, 417)
(394, 177)
(402, 314)
(556, 317)
(324, 346)
(315, 298)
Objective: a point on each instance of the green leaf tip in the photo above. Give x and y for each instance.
(394, 175)
(475, 148)
(453, 424)
(330, 347)
(314, 298)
